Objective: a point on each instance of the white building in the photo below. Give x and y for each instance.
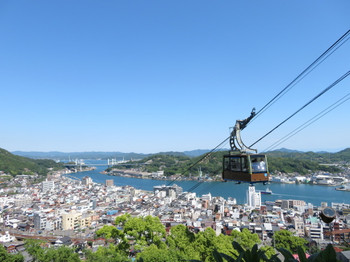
(206, 197)
(6, 238)
(87, 181)
(253, 197)
(47, 185)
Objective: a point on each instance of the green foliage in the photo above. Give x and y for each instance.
(268, 250)
(323, 157)
(106, 254)
(60, 254)
(301, 166)
(17, 165)
(181, 239)
(155, 254)
(177, 164)
(108, 232)
(287, 162)
(148, 236)
(5, 256)
(145, 231)
(326, 255)
(285, 239)
(245, 238)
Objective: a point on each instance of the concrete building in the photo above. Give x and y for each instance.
(87, 181)
(39, 221)
(47, 185)
(253, 197)
(299, 226)
(109, 182)
(316, 232)
(71, 220)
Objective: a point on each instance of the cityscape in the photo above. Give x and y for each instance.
(65, 210)
(173, 131)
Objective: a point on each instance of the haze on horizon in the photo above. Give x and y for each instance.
(147, 76)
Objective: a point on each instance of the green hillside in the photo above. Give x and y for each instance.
(322, 157)
(176, 164)
(17, 165)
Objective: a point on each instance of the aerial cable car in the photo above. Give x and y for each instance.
(243, 164)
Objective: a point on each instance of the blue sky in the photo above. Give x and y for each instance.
(150, 76)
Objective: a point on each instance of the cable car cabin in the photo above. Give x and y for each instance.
(245, 168)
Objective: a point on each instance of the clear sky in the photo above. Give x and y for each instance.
(151, 76)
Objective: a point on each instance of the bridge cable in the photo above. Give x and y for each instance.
(304, 106)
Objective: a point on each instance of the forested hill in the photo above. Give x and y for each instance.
(173, 164)
(321, 157)
(17, 165)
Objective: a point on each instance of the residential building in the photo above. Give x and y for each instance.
(253, 197)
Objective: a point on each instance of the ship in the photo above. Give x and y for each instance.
(266, 192)
(343, 188)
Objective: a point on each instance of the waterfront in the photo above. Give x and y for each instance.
(314, 194)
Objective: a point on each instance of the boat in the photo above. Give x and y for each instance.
(343, 188)
(268, 191)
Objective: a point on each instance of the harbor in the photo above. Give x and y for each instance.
(310, 193)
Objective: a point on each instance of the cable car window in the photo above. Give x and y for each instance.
(235, 164)
(258, 163)
(226, 163)
(244, 164)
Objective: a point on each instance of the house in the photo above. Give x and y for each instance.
(66, 241)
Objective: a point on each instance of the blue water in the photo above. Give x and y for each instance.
(309, 193)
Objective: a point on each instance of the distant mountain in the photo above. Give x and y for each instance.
(286, 150)
(16, 165)
(80, 155)
(102, 155)
(198, 152)
(319, 157)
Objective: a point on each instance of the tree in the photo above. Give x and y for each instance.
(5, 256)
(285, 239)
(61, 254)
(145, 231)
(108, 232)
(268, 250)
(153, 253)
(181, 240)
(106, 254)
(245, 238)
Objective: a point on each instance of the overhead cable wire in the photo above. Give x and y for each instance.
(303, 74)
(199, 160)
(200, 182)
(296, 80)
(309, 122)
(304, 106)
(345, 37)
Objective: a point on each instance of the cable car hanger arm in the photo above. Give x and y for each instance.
(236, 142)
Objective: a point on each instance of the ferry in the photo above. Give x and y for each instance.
(343, 188)
(266, 192)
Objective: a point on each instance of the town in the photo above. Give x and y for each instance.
(63, 210)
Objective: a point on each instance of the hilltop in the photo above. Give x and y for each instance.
(17, 165)
(284, 160)
(319, 157)
(177, 164)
